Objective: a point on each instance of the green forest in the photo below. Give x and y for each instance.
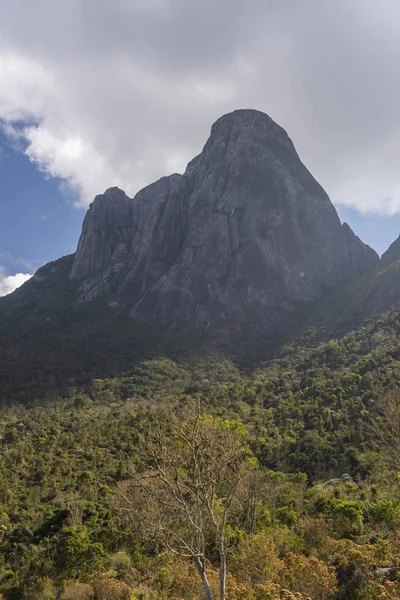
(194, 478)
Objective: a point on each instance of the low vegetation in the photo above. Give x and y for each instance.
(184, 480)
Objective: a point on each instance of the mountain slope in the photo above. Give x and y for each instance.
(314, 416)
(243, 237)
(50, 343)
(368, 296)
(245, 243)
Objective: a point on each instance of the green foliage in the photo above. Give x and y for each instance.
(121, 563)
(287, 515)
(348, 515)
(312, 418)
(50, 343)
(164, 579)
(353, 511)
(76, 555)
(386, 512)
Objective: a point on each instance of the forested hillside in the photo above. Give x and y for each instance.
(50, 342)
(366, 297)
(314, 512)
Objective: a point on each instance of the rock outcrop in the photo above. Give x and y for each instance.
(361, 257)
(392, 254)
(239, 240)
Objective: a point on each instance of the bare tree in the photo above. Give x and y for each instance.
(387, 428)
(182, 491)
(246, 506)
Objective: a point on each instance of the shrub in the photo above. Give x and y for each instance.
(76, 554)
(348, 516)
(121, 563)
(273, 591)
(77, 591)
(42, 590)
(286, 515)
(164, 579)
(112, 589)
(386, 512)
(308, 576)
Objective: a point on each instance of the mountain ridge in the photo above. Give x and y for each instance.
(245, 233)
(72, 321)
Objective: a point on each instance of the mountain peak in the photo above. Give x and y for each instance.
(246, 117)
(392, 254)
(362, 257)
(249, 126)
(240, 240)
(114, 191)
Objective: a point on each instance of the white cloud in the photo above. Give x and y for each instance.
(121, 93)
(9, 283)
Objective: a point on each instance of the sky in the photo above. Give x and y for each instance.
(97, 93)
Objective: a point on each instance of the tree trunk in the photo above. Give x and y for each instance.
(203, 576)
(222, 569)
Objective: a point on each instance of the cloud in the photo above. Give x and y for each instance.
(9, 283)
(121, 93)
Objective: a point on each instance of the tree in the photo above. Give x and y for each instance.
(182, 490)
(388, 428)
(76, 554)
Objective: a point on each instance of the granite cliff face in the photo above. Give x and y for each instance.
(238, 240)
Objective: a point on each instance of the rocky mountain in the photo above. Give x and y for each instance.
(241, 239)
(365, 297)
(244, 243)
(392, 254)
